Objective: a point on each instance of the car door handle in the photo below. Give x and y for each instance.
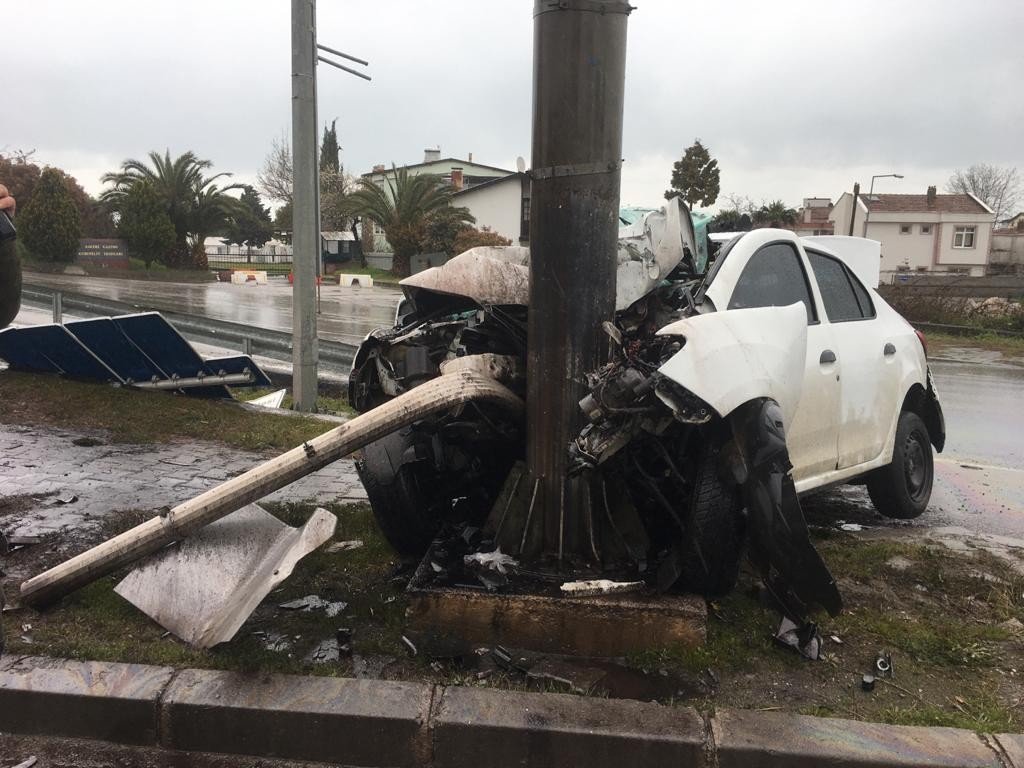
(828, 356)
(889, 350)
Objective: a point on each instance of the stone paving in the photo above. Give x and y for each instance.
(46, 464)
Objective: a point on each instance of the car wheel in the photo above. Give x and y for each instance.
(902, 489)
(712, 553)
(401, 493)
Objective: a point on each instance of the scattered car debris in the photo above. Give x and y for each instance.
(311, 603)
(410, 647)
(66, 497)
(851, 527)
(274, 641)
(802, 638)
(867, 683)
(599, 587)
(836, 639)
(204, 589)
(273, 400)
(27, 763)
(344, 546)
(496, 560)
(326, 652)
(573, 678)
(883, 665)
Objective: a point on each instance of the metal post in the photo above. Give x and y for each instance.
(58, 308)
(579, 65)
(305, 222)
(853, 211)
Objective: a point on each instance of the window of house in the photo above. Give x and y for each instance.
(926, 229)
(774, 277)
(844, 296)
(906, 229)
(524, 219)
(963, 237)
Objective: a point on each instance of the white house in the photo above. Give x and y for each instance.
(921, 233)
(502, 205)
(461, 174)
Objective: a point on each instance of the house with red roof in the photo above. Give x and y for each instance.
(921, 233)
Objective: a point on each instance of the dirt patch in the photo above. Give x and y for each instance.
(947, 618)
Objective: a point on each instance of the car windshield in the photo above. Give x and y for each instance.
(719, 260)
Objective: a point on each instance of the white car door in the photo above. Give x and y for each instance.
(870, 370)
(776, 275)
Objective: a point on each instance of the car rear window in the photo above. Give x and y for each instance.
(841, 292)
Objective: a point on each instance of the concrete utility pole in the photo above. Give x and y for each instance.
(579, 67)
(306, 212)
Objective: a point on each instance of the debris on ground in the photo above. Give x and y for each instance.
(273, 641)
(344, 546)
(802, 638)
(204, 588)
(599, 587)
(883, 665)
(273, 400)
(495, 561)
(410, 647)
(850, 527)
(326, 652)
(314, 603)
(66, 497)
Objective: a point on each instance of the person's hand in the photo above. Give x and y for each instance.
(7, 203)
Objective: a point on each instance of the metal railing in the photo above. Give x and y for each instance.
(223, 333)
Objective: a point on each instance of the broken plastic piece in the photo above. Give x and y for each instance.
(804, 639)
(599, 587)
(410, 647)
(273, 400)
(883, 664)
(867, 683)
(344, 546)
(496, 560)
(314, 602)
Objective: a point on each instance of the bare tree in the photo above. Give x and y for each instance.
(275, 178)
(998, 188)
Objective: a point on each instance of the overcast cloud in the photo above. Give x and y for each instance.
(795, 99)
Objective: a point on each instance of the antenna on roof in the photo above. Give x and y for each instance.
(520, 164)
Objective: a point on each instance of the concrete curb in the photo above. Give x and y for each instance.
(379, 722)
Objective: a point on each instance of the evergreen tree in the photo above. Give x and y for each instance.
(251, 225)
(329, 150)
(145, 224)
(50, 225)
(695, 177)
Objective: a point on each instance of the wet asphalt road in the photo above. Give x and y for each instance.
(346, 314)
(979, 478)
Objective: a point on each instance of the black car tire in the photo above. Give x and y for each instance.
(902, 488)
(717, 525)
(401, 492)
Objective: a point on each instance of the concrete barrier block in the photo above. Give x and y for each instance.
(772, 740)
(1012, 745)
(81, 699)
(477, 727)
(334, 720)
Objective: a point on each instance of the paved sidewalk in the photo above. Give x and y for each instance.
(45, 463)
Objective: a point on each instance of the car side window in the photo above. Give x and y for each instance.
(839, 289)
(774, 277)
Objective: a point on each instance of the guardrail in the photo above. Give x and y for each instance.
(223, 333)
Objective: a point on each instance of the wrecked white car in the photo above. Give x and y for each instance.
(778, 371)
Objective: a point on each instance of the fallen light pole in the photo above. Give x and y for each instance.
(440, 394)
(578, 83)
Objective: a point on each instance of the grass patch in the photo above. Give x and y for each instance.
(1008, 345)
(134, 416)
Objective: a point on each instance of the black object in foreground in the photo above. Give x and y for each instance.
(7, 230)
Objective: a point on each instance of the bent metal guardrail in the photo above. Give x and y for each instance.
(250, 339)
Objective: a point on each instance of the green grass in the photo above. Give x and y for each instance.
(1009, 345)
(133, 416)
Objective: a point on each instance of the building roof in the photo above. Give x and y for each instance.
(457, 160)
(920, 204)
(488, 183)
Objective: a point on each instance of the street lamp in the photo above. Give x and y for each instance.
(871, 193)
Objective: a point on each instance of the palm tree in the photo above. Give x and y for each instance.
(402, 209)
(195, 205)
(775, 214)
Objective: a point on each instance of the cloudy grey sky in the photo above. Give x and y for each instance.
(795, 99)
